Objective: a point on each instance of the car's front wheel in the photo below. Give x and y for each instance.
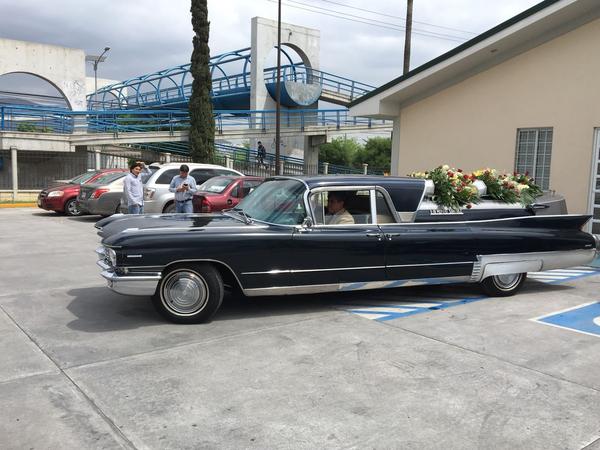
(71, 208)
(189, 294)
(503, 285)
(170, 208)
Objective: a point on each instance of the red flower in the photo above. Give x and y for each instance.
(459, 170)
(450, 174)
(469, 206)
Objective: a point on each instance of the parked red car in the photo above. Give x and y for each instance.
(63, 198)
(223, 192)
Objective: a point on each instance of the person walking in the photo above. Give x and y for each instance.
(261, 153)
(184, 188)
(133, 188)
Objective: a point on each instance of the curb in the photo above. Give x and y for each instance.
(18, 205)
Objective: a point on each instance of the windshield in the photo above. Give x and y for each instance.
(276, 201)
(81, 179)
(215, 185)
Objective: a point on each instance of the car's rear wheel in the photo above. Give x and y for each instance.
(189, 294)
(503, 285)
(71, 208)
(170, 208)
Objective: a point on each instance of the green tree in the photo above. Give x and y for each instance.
(340, 151)
(202, 122)
(377, 153)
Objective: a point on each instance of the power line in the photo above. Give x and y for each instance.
(396, 17)
(372, 22)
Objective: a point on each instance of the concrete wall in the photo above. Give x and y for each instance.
(304, 41)
(474, 124)
(62, 67)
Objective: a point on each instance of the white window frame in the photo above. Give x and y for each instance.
(533, 172)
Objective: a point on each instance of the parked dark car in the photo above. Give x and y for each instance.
(278, 241)
(223, 192)
(63, 198)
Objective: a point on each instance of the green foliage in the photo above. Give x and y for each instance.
(377, 153)
(26, 127)
(347, 152)
(202, 122)
(339, 151)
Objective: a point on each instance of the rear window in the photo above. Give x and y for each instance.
(166, 176)
(215, 185)
(201, 175)
(109, 177)
(84, 177)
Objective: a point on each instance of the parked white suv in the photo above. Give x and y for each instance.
(158, 199)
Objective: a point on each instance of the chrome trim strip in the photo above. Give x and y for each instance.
(102, 265)
(504, 264)
(134, 256)
(131, 285)
(344, 287)
(101, 251)
(278, 271)
(470, 222)
(431, 264)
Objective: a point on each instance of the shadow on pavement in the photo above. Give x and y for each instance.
(98, 309)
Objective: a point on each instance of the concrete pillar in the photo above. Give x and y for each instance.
(98, 158)
(167, 157)
(15, 172)
(365, 168)
(311, 153)
(281, 166)
(228, 162)
(325, 168)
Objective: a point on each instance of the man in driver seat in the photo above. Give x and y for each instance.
(336, 209)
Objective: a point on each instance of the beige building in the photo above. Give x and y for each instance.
(523, 96)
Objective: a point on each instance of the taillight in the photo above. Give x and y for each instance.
(205, 206)
(98, 192)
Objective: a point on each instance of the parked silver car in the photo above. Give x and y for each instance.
(158, 199)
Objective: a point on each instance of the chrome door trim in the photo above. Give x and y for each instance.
(345, 287)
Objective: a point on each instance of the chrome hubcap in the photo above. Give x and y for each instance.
(72, 207)
(185, 293)
(507, 281)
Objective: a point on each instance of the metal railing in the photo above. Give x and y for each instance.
(47, 120)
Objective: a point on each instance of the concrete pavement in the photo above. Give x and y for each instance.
(84, 367)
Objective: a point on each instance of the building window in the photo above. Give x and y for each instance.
(534, 151)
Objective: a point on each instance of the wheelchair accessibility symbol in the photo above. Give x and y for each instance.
(582, 319)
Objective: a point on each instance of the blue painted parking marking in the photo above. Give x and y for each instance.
(582, 319)
(384, 311)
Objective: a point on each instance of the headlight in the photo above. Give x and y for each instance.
(112, 256)
(56, 194)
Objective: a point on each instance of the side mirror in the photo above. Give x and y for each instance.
(307, 222)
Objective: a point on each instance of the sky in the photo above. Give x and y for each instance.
(150, 35)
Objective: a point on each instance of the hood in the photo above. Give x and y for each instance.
(165, 223)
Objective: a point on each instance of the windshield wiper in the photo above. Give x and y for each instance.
(240, 211)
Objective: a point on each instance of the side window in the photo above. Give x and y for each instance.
(201, 175)
(249, 186)
(384, 214)
(341, 207)
(166, 176)
(235, 192)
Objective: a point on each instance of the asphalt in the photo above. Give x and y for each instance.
(415, 368)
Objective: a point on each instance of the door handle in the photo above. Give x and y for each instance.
(377, 235)
(389, 236)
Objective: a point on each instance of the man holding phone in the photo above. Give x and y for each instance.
(184, 187)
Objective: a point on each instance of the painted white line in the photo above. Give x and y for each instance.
(569, 272)
(383, 309)
(562, 311)
(566, 328)
(371, 316)
(419, 305)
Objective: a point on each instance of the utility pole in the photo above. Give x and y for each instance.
(278, 93)
(409, 9)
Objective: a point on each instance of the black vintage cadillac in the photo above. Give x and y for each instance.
(297, 235)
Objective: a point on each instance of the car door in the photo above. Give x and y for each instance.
(352, 254)
(427, 250)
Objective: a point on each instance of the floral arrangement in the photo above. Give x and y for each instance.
(455, 189)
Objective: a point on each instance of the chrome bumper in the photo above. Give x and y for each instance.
(144, 285)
